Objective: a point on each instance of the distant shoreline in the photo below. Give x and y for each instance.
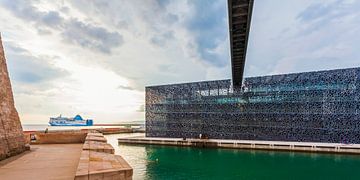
(42, 127)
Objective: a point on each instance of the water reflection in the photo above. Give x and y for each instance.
(163, 162)
(136, 156)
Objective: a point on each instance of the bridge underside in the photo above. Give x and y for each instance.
(240, 12)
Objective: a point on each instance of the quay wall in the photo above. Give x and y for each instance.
(55, 137)
(114, 130)
(67, 136)
(311, 147)
(12, 139)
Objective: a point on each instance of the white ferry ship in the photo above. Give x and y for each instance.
(75, 121)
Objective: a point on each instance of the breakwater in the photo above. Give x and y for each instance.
(98, 161)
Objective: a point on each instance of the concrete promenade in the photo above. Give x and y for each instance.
(248, 144)
(43, 162)
(66, 155)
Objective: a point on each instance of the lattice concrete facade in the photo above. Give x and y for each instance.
(12, 139)
(314, 106)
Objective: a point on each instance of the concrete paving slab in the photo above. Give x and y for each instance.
(98, 165)
(98, 147)
(95, 134)
(43, 162)
(96, 138)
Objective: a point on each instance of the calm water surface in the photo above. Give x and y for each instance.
(164, 162)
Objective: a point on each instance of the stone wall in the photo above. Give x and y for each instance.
(56, 137)
(12, 140)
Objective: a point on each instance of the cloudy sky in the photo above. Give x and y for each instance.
(95, 57)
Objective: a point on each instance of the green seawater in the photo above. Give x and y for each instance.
(166, 162)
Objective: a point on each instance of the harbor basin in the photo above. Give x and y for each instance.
(169, 162)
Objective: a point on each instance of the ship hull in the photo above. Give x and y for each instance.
(57, 124)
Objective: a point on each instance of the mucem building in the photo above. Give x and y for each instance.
(318, 106)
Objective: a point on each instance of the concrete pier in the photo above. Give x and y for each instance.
(96, 138)
(248, 144)
(99, 162)
(98, 147)
(97, 165)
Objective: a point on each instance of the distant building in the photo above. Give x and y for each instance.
(313, 106)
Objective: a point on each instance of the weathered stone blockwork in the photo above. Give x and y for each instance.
(12, 140)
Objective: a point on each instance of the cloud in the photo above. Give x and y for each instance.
(210, 29)
(92, 37)
(96, 57)
(141, 108)
(157, 35)
(163, 3)
(298, 36)
(162, 39)
(318, 15)
(72, 30)
(125, 87)
(317, 11)
(29, 69)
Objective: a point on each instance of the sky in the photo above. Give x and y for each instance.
(95, 58)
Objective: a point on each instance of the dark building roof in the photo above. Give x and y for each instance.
(240, 12)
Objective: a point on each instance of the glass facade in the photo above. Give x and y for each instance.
(313, 106)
